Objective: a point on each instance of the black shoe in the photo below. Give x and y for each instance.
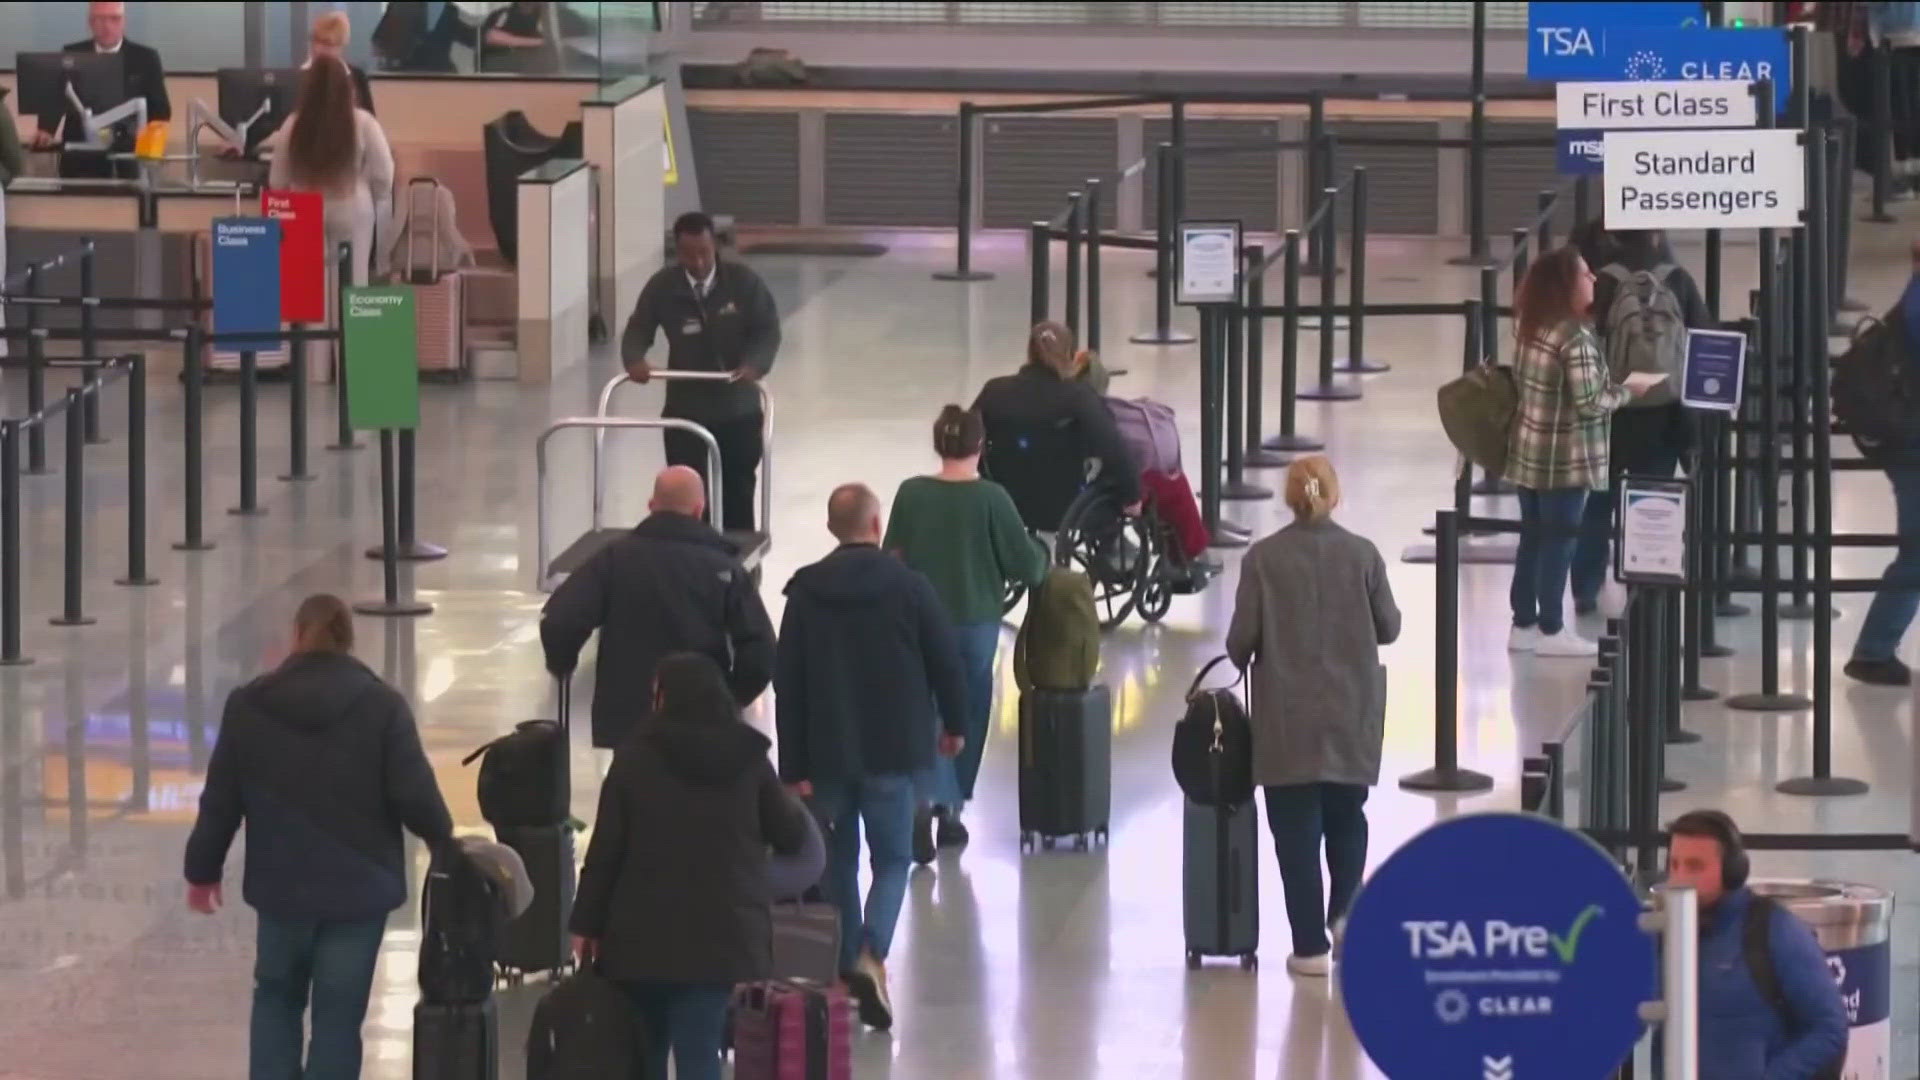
(1889, 672)
(952, 833)
(923, 849)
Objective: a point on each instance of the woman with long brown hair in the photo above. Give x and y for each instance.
(332, 146)
(1557, 452)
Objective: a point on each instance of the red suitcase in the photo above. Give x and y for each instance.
(792, 1029)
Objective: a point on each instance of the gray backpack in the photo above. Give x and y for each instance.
(1645, 330)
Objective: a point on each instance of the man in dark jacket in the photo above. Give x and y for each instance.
(322, 761)
(1768, 1003)
(868, 654)
(672, 585)
(145, 78)
(719, 317)
(1876, 652)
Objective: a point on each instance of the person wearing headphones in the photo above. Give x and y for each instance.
(1769, 1007)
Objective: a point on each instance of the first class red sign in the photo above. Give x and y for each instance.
(303, 253)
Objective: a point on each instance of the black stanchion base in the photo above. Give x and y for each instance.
(1241, 491)
(77, 620)
(962, 275)
(1329, 392)
(1447, 780)
(1821, 785)
(413, 551)
(204, 545)
(18, 661)
(1803, 612)
(1362, 367)
(1154, 337)
(1492, 485)
(1769, 703)
(1256, 458)
(396, 609)
(247, 511)
(1668, 785)
(297, 478)
(136, 583)
(1695, 693)
(1727, 609)
(1293, 444)
(1470, 259)
(346, 446)
(1680, 736)
(1484, 553)
(1717, 651)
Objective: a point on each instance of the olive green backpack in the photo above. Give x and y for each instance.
(1058, 647)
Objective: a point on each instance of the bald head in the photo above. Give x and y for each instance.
(853, 514)
(678, 490)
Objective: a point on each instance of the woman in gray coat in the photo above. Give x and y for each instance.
(1312, 611)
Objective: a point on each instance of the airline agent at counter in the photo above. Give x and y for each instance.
(145, 77)
(718, 316)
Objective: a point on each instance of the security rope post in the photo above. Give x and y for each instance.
(137, 473)
(1076, 207)
(390, 604)
(1327, 388)
(10, 654)
(89, 342)
(963, 213)
(1446, 774)
(1238, 317)
(1477, 150)
(297, 412)
(1357, 362)
(1290, 441)
(343, 279)
(1040, 255)
(249, 436)
(74, 528)
(193, 441)
(1090, 207)
(1165, 222)
(36, 377)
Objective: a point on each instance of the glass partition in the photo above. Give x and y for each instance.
(1236, 15)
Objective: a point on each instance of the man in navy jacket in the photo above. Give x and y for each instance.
(1793, 1029)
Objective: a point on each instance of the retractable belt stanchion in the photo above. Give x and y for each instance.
(1290, 441)
(1040, 257)
(297, 413)
(1090, 207)
(89, 342)
(1255, 455)
(343, 277)
(1075, 222)
(1446, 774)
(36, 379)
(193, 442)
(1238, 318)
(249, 435)
(963, 222)
(137, 473)
(390, 603)
(1166, 220)
(1357, 362)
(1328, 388)
(1882, 65)
(10, 648)
(1477, 152)
(74, 530)
(1489, 315)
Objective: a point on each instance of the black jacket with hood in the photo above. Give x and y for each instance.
(322, 761)
(675, 884)
(866, 653)
(672, 585)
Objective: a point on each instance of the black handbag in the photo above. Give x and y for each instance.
(1213, 744)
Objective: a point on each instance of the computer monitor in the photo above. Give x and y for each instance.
(98, 79)
(262, 98)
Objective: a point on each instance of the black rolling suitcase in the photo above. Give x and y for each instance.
(456, 1042)
(1219, 853)
(1066, 761)
(537, 940)
(525, 783)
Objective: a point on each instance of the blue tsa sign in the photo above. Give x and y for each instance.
(1500, 946)
(246, 275)
(1572, 40)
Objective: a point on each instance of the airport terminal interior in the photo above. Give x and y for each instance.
(1036, 965)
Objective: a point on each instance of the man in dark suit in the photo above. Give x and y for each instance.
(145, 78)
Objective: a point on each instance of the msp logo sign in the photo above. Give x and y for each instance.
(1497, 945)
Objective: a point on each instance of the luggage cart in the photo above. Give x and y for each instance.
(751, 548)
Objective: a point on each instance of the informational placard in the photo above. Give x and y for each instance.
(1502, 946)
(1601, 106)
(1652, 548)
(1716, 370)
(1752, 179)
(1573, 40)
(1209, 262)
(246, 276)
(383, 357)
(304, 261)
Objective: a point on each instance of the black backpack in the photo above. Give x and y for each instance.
(585, 1029)
(523, 776)
(1876, 389)
(1756, 946)
(1213, 744)
(463, 913)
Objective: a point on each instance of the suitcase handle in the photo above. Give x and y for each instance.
(1194, 690)
(566, 701)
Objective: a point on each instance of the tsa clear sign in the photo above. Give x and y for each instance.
(1497, 945)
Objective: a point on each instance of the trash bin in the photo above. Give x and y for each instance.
(1854, 925)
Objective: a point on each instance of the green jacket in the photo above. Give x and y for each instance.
(12, 161)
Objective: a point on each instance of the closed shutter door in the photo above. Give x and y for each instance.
(749, 164)
(891, 170)
(1241, 186)
(1032, 162)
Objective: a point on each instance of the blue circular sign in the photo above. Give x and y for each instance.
(1498, 947)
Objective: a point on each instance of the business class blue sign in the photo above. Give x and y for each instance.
(246, 276)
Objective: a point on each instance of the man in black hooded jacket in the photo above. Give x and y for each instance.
(322, 761)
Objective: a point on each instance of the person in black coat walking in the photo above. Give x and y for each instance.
(869, 653)
(672, 585)
(323, 763)
(674, 900)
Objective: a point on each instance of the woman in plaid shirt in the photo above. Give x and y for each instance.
(1558, 448)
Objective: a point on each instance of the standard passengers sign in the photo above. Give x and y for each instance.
(1753, 179)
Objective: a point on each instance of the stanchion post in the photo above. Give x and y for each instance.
(89, 342)
(1039, 254)
(249, 436)
(1075, 207)
(1357, 362)
(1177, 132)
(1840, 216)
(297, 411)
(1713, 273)
(193, 441)
(36, 378)
(137, 472)
(343, 425)
(1236, 318)
(1477, 150)
(963, 215)
(390, 604)
(1327, 389)
(1472, 354)
(1319, 173)
(10, 655)
(1543, 235)
(1289, 441)
(1446, 774)
(1883, 133)
(1696, 612)
(1209, 422)
(1488, 343)
(1582, 200)
(406, 497)
(73, 532)
(1090, 207)
(1166, 221)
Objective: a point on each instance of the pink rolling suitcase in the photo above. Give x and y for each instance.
(792, 1029)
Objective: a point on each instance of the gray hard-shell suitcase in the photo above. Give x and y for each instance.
(1066, 765)
(456, 1042)
(1219, 858)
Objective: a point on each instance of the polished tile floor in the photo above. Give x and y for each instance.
(1049, 966)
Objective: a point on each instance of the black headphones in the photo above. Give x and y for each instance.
(1734, 864)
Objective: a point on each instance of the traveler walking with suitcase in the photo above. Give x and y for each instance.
(1313, 608)
(323, 763)
(867, 655)
(674, 902)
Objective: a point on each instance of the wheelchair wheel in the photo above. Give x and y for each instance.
(1114, 551)
(1010, 599)
(1156, 587)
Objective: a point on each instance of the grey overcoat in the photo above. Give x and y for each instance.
(1312, 611)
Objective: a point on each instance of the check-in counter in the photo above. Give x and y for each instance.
(625, 132)
(556, 275)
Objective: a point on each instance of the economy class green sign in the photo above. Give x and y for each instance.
(383, 366)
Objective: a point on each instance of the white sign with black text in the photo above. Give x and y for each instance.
(1752, 179)
(1596, 106)
(1652, 545)
(1209, 262)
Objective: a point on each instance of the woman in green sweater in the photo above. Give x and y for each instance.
(963, 532)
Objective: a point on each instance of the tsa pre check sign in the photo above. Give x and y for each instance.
(1739, 179)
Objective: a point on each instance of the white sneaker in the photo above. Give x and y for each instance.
(1523, 639)
(1311, 967)
(1566, 643)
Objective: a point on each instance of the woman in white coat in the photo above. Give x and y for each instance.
(333, 147)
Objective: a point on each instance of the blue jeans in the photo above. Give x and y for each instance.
(688, 1018)
(1300, 817)
(329, 962)
(1894, 605)
(951, 781)
(885, 804)
(1549, 527)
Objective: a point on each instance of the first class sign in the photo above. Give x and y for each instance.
(1599, 106)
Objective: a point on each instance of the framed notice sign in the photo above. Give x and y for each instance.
(1716, 369)
(1653, 537)
(1209, 270)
